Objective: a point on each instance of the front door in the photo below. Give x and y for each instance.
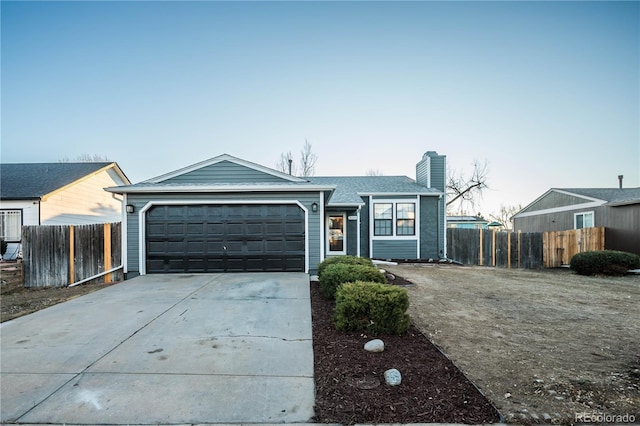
(337, 235)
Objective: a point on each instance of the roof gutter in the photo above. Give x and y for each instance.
(196, 189)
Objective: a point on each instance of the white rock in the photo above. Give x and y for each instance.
(375, 345)
(392, 377)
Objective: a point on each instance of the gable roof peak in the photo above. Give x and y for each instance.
(219, 159)
(36, 180)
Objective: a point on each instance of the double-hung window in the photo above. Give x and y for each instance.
(394, 219)
(383, 219)
(583, 220)
(406, 219)
(11, 225)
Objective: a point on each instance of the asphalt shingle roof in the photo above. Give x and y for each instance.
(611, 195)
(348, 187)
(34, 180)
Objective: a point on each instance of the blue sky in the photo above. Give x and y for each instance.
(548, 93)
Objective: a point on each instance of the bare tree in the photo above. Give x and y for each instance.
(307, 165)
(504, 215)
(285, 164)
(86, 158)
(464, 189)
(374, 172)
(307, 160)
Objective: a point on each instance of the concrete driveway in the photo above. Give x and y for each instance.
(165, 349)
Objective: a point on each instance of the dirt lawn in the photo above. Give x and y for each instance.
(543, 345)
(16, 301)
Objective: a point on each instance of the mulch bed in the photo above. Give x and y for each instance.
(350, 385)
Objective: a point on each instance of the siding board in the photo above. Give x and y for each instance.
(224, 172)
(394, 249)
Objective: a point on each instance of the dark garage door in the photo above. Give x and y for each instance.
(225, 238)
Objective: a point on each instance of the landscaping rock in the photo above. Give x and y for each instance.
(392, 377)
(375, 345)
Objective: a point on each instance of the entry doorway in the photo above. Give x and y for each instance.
(336, 235)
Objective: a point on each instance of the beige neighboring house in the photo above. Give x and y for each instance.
(56, 194)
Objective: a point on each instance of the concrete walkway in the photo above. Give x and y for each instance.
(165, 349)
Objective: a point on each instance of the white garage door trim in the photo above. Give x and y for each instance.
(142, 222)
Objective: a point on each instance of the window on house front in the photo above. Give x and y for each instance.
(394, 219)
(11, 225)
(383, 219)
(583, 220)
(406, 219)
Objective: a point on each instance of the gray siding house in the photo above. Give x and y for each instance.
(226, 214)
(616, 209)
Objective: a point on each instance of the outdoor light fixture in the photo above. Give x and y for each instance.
(130, 208)
(314, 207)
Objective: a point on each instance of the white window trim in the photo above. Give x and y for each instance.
(21, 212)
(395, 202)
(344, 235)
(575, 219)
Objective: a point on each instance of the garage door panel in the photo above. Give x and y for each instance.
(234, 229)
(214, 229)
(254, 228)
(175, 229)
(256, 246)
(274, 229)
(195, 228)
(232, 238)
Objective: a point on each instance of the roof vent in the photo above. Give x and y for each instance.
(620, 180)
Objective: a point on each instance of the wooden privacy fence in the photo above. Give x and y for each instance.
(561, 246)
(491, 248)
(61, 255)
(521, 249)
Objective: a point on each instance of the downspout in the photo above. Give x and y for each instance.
(322, 226)
(358, 233)
(370, 227)
(443, 228)
(123, 238)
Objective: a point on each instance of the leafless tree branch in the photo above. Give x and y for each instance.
(466, 189)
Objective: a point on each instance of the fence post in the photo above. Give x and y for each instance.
(509, 250)
(72, 264)
(107, 251)
(481, 262)
(493, 249)
(519, 248)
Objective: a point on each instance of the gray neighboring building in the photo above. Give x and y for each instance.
(226, 214)
(616, 209)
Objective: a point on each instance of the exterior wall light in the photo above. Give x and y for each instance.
(314, 207)
(130, 208)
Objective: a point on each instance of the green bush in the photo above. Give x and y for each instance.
(605, 262)
(372, 307)
(349, 260)
(339, 273)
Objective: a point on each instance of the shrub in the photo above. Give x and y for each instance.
(349, 260)
(340, 273)
(605, 262)
(372, 307)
